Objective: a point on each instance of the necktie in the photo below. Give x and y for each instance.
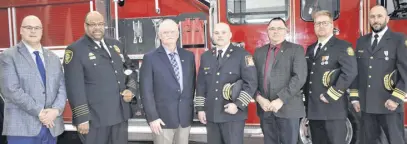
(219, 58)
(267, 70)
(318, 49)
(174, 65)
(103, 49)
(40, 66)
(375, 41)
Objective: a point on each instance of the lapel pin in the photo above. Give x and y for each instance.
(325, 49)
(96, 47)
(231, 50)
(228, 55)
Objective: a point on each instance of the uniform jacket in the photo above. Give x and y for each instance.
(94, 81)
(335, 54)
(373, 65)
(236, 64)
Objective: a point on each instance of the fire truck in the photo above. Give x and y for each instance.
(135, 23)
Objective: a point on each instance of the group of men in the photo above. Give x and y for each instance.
(99, 82)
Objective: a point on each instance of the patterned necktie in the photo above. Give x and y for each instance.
(174, 65)
(40, 66)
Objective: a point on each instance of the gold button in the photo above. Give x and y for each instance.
(370, 76)
(118, 82)
(217, 73)
(230, 72)
(217, 81)
(370, 67)
(115, 71)
(216, 89)
(206, 72)
(310, 82)
(368, 86)
(310, 92)
(313, 63)
(94, 64)
(312, 72)
(371, 57)
(216, 98)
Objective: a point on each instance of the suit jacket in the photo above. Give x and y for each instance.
(373, 65)
(95, 80)
(287, 76)
(335, 54)
(236, 64)
(161, 94)
(25, 94)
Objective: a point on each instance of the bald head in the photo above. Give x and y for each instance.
(95, 25)
(31, 30)
(222, 35)
(168, 33)
(378, 18)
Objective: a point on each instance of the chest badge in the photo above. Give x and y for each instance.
(92, 56)
(350, 51)
(324, 60)
(386, 53)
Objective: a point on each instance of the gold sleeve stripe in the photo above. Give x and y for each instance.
(199, 101)
(244, 98)
(399, 94)
(80, 110)
(333, 93)
(354, 93)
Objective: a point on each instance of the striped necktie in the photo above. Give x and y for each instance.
(174, 65)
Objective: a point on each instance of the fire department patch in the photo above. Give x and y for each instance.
(249, 60)
(350, 51)
(68, 56)
(117, 49)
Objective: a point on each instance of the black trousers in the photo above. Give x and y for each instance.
(225, 133)
(115, 134)
(391, 124)
(328, 131)
(278, 130)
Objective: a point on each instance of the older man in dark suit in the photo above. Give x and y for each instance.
(167, 82)
(281, 71)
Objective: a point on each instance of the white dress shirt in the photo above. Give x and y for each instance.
(31, 51)
(104, 46)
(323, 43)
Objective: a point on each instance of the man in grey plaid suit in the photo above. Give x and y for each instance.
(33, 86)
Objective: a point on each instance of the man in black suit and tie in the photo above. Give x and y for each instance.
(327, 104)
(281, 71)
(167, 83)
(380, 53)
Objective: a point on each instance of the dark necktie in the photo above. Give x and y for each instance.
(375, 41)
(318, 49)
(40, 66)
(103, 49)
(219, 57)
(267, 68)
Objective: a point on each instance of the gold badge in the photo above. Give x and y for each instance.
(92, 56)
(68, 56)
(249, 60)
(117, 49)
(350, 51)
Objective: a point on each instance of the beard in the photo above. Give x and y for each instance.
(382, 26)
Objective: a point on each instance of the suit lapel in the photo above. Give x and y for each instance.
(226, 56)
(310, 52)
(164, 58)
(182, 56)
(382, 42)
(26, 54)
(263, 57)
(47, 66)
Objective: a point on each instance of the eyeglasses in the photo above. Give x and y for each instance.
(37, 28)
(276, 29)
(93, 25)
(323, 23)
(169, 32)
